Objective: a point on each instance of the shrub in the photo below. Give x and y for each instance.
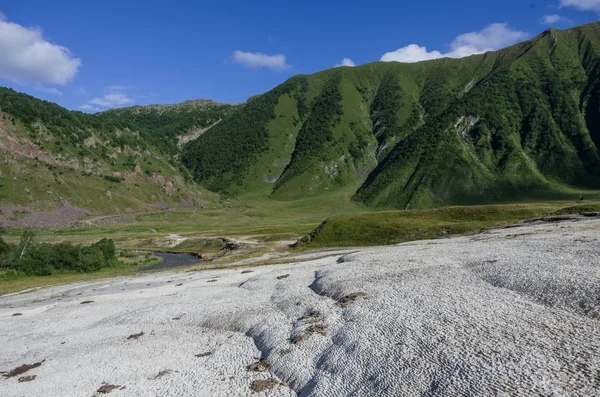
(33, 259)
(111, 178)
(107, 247)
(33, 267)
(4, 247)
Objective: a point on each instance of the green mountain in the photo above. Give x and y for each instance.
(55, 160)
(522, 122)
(516, 124)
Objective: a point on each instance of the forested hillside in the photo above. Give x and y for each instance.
(522, 122)
(68, 163)
(516, 124)
(162, 126)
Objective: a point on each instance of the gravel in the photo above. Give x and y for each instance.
(507, 312)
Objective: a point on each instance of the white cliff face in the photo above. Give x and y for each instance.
(512, 311)
(469, 85)
(465, 124)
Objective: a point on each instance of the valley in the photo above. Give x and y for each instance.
(518, 124)
(424, 228)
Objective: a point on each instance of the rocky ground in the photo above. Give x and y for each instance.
(507, 312)
(21, 216)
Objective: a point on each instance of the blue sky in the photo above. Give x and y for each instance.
(96, 55)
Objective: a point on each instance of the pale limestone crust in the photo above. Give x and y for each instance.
(508, 312)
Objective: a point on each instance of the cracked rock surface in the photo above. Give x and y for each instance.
(507, 312)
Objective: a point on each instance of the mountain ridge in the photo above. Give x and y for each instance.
(520, 123)
(393, 121)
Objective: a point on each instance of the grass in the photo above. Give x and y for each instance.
(392, 227)
(268, 223)
(251, 215)
(36, 186)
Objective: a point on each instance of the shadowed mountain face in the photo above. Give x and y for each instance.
(520, 122)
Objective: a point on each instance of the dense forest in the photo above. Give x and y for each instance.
(160, 126)
(316, 132)
(222, 156)
(384, 108)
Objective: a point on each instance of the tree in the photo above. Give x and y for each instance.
(4, 247)
(107, 247)
(92, 259)
(27, 241)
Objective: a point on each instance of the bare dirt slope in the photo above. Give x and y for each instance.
(509, 312)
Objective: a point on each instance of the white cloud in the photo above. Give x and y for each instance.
(492, 37)
(25, 56)
(582, 5)
(550, 19)
(112, 99)
(346, 62)
(259, 60)
(49, 90)
(411, 53)
(89, 108)
(100, 102)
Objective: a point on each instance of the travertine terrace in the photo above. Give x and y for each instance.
(507, 312)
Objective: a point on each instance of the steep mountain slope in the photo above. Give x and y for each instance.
(516, 123)
(69, 163)
(523, 130)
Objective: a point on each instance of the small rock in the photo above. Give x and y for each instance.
(259, 366)
(135, 336)
(107, 388)
(263, 384)
(163, 373)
